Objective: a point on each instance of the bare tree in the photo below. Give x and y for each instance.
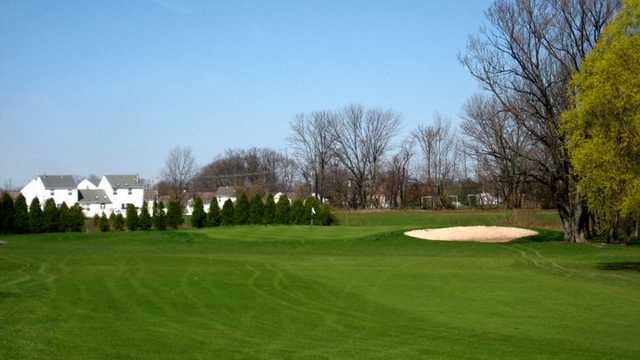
(179, 169)
(496, 142)
(314, 144)
(525, 58)
(362, 138)
(397, 175)
(439, 149)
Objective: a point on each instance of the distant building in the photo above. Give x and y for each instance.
(86, 184)
(94, 202)
(60, 188)
(123, 190)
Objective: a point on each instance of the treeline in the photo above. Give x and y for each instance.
(18, 218)
(158, 218)
(261, 211)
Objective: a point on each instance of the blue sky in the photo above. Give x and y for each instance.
(109, 86)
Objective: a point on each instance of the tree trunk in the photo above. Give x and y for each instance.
(574, 215)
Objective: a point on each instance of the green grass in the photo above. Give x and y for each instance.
(300, 292)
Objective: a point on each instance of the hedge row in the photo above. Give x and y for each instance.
(261, 211)
(17, 218)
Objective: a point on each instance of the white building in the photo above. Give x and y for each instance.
(95, 202)
(60, 188)
(85, 184)
(123, 190)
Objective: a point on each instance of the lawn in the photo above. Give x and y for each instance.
(349, 291)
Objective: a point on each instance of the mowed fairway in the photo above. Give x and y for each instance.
(296, 292)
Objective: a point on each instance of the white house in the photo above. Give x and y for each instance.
(85, 184)
(95, 202)
(60, 188)
(123, 190)
(222, 194)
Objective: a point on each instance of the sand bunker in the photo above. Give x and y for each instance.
(488, 234)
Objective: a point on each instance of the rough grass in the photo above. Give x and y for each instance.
(300, 292)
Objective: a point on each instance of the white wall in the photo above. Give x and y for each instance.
(86, 185)
(90, 210)
(35, 188)
(121, 197)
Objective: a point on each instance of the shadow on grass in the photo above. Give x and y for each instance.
(544, 235)
(620, 266)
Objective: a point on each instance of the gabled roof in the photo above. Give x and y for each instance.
(96, 196)
(52, 182)
(125, 181)
(226, 191)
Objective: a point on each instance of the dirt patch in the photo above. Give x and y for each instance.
(487, 234)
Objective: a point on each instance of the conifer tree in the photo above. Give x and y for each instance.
(242, 210)
(144, 221)
(8, 214)
(298, 215)
(269, 210)
(283, 208)
(119, 222)
(256, 210)
(76, 218)
(227, 216)
(174, 215)
(312, 207)
(21, 222)
(104, 223)
(213, 217)
(325, 217)
(132, 218)
(36, 218)
(96, 221)
(112, 221)
(160, 219)
(51, 217)
(63, 217)
(198, 216)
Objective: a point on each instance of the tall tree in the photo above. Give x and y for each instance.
(242, 210)
(179, 169)
(198, 216)
(132, 218)
(103, 223)
(269, 210)
(36, 218)
(76, 218)
(256, 210)
(144, 220)
(21, 224)
(51, 216)
(174, 215)
(314, 143)
(160, 218)
(213, 216)
(227, 216)
(603, 129)
(8, 214)
(64, 221)
(283, 208)
(524, 58)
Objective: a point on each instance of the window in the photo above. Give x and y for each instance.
(52, 192)
(130, 191)
(101, 206)
(115, 191)
(123, 206)
(69, 192)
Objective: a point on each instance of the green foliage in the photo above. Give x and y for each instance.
(256, 210)
(51, 216)
(159, 216)
(269, 210)
(297, 215)
(76, 218)
(282, 210)
(96, 221)
(21, 222)
(603, 129)
(325, 216)
(242, 210)
(64, 222)
(132, 218)
(227, 217)
(119, 222)
(36, 217)
(7, 221)
(312, 208)
(144, 220)
(112, 221)
(174, 215)
(198, 216)
(104, 223)
(213, 216)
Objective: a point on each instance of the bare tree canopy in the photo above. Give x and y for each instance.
(178, 171)
(524, 58)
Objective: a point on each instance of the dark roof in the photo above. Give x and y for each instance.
(206, 196)
(96, 196)
(125, 181)
(226, 191)
(58, 182)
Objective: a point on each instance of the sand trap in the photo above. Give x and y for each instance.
(487, 234)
